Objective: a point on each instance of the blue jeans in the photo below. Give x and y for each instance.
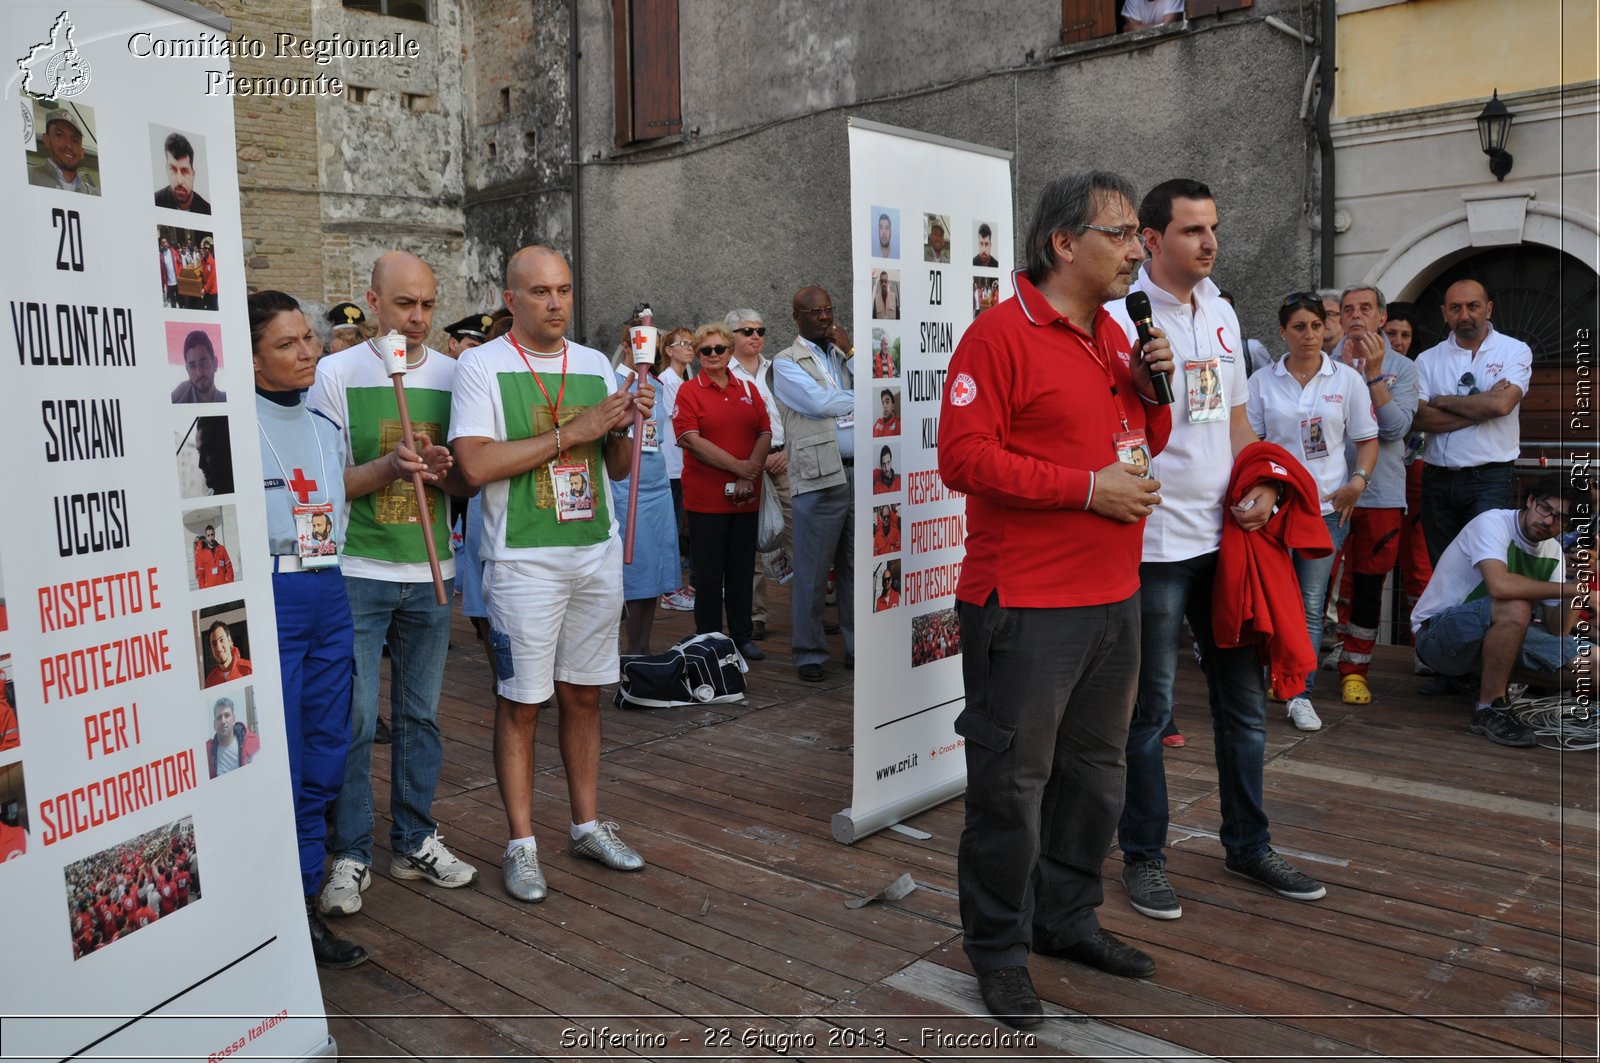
(1168, 592)
(418, 633)
(1313, 573)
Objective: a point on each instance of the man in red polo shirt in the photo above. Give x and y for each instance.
(226, 662)
(1044, 408)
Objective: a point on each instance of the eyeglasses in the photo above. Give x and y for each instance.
(680, 343)
(1120, 235)
(818, 311)
(1302, 297)
(1543, 508)
(1470, 382)
(762, 331)
(708, 350)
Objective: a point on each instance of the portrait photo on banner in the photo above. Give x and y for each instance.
(131, 886)
(886, 585)
(885, 355)
(886, 529)
(14, 824)
(222, 643)
(886, 477)
(209, 538)
(196, 349)
(886, 295)
(934, 636)
(178, 170)
(233, 738)
(985, 294)
(936, 238)
(885, 227)
(64, 153)
(186, 268)
(887, 407)
(10, 730)
(205, 458)
(983, 240)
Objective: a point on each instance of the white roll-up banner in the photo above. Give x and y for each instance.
(932, 246)
(148, 876)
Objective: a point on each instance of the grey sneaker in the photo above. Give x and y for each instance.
(520, 870)
(341, 894)
(1149, 891)
(433, 862)
(1279, 876)
(602, 844)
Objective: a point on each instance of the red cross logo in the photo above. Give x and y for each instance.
(301, 486)
(640, 341)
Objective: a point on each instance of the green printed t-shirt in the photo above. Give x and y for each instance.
(383, 535)
(497, 398)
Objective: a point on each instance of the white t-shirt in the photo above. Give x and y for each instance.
(667, 385)
(1195, 466)
(497, 398)
(1313, 422)
(1442, 370)
(1492, 536)
(1151, 11)
(382, 539)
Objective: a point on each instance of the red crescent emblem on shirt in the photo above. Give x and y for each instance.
(1222, 341)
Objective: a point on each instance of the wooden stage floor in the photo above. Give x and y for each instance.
(1460, 920)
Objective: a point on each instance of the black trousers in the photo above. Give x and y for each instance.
(722, 553)
(1049, 699)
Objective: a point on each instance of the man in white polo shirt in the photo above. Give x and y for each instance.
(1178, 219)
(1472, 386)
(749, 364)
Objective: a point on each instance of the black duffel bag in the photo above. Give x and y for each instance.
(700, 670)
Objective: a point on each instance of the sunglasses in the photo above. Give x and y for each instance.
(751, 331)
(1302, 297)
(1469, 382)
(679, 343)
(708, 350)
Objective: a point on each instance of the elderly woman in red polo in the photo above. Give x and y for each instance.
(725, 431)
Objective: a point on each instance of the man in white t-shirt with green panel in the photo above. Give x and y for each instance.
(385, 564)
(1478, 611)
(539, 424)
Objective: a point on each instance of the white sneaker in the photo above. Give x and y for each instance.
(341, 894)
(432, 861)
(1304, 716)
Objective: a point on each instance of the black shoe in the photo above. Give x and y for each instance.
(1105, 953)
(329, 949)
(380, 733)
(758, 630)
(1498, 725)
(1279, 876)
(811, 673)
(752, 652)
(1150, 892)
(1009, 996)
(830, 628)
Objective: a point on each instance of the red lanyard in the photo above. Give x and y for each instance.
(1111, 381)
(555, 407)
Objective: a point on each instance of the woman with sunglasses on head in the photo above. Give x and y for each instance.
(724, 429)
(674, 365)
(1309, 404)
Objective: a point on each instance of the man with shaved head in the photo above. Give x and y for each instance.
(390, 585)
(1472, 386)
(532, 411)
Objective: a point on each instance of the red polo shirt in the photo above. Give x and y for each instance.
(730, 417)
(1028, 416)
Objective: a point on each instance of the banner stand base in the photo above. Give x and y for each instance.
(849, 827)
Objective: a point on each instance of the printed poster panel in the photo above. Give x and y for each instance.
(932, 246)
(148, 861)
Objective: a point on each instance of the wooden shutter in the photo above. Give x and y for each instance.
(646, 82)
(1197, 8)
(1087, 20)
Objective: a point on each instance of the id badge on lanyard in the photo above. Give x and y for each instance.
(573, 490)
(1133, 449)
(313, 528)
(1313, 441)
(1203, 382)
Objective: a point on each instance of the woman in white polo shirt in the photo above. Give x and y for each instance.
(1311, 405)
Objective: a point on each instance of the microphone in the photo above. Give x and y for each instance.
(1138, 305)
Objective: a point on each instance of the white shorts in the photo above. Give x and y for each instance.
(546, 627)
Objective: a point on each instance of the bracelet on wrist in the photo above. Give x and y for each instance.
(1375, 380)
(1366, 477)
